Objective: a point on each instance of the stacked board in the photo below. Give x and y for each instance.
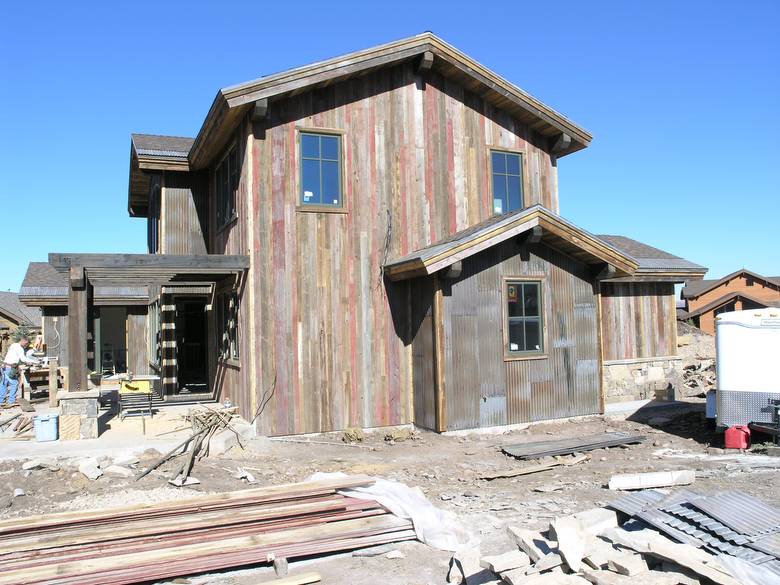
(156, 541)
(555, 447)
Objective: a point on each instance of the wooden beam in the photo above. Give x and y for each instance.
(79, 311)
(425, 63)
(53, 381)
(454, 270)
(260, 110)
(561, 144)
(438, 356)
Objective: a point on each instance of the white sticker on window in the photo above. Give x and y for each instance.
(513, 347)
(335, 201)
(307, 195)
(498, 206)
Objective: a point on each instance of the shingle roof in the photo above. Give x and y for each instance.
(650, 258)
(696, 288)
(13, 308)
(720, 301)
(167, 146)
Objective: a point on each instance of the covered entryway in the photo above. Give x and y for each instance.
(191, 344)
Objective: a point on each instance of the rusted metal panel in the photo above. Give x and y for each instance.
(483, 388)
(638, 320)
(183, 214)
(421, 333)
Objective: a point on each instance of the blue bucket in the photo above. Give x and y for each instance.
(46, 427)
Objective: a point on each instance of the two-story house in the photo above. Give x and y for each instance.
(375, 240)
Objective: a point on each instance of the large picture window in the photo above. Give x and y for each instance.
(524, 317)
(226, 183)
(507, 178)
(321, 170)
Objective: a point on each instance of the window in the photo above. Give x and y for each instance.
(321, 170)
(749, 281)
(524, 323)
(507, 174)
(226, 183)
(153, 332)
(227, 321)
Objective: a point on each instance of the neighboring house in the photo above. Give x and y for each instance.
(14, 314)
(375, 240)
(738, 291)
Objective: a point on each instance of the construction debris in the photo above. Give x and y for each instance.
(157, 541)
(302, 579)
(656, 479)
(537, 468)
(698, 377)
(569, 446)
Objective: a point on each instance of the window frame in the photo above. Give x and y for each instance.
(224, 222)
(524, 355)
(228, 344)
(523, 176)
(305, 207)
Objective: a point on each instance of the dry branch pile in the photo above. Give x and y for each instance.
(157, 541)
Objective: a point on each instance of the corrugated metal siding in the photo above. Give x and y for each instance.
(137, 356)
(485, 390)
(422, 353)
(183, 214)
(638, 320)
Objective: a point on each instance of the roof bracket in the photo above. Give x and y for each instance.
(453, 271)
(561, 144)
(425, 63)
(602, 271)
(532, 236)
(260, 111)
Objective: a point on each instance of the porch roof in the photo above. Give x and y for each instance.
(556, 231)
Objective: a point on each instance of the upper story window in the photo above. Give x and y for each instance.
(226, 183)
(321, 184)
(507, 175)
(524, 323)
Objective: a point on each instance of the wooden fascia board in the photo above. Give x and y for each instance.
(163, 163)
(671, 277)
(364, 61)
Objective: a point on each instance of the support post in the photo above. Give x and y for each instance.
(79, 311)
(53, 381)
(438, 356)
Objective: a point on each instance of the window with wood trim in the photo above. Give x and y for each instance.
(225, 185)
(524, 318)
(154, 334)
(507, 181)
(321, 182)
(227, 323)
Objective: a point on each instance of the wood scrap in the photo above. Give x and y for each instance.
(302, 579)
(537, 468)
(638, 481)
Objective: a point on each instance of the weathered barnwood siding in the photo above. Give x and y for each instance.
(318, 315)
(183, 214)
(137, 356)
(638, 320)
(55, 332)
(482, 387)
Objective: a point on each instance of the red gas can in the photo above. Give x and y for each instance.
(738, 437)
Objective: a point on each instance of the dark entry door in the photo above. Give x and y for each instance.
(191, 345)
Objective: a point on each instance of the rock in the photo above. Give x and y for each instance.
(126, 460)
(5, 502)
(353, 435)
(548, 488)
(18, 492)
(395, 554)
(281, 567)
(399, 435)
(90, 468)
(571, 540)
(465, 570)
(628, 564)
(226, 439)
(151, 453)
(445, 497)
(118, 471)
(514, 559)
(32, 464)
(597, 520)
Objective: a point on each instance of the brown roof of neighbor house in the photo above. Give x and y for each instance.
(697, 288)
(719, 302)
(653, 260)
(161, 146)
(14, 310)
(43, 285)
(556, 231)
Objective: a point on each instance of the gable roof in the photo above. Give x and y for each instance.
(43, 285)
(696, 289)
(556, 232)
(151, 152)
(13, 310)
(655, 263)
(232, 103)
(719, 302)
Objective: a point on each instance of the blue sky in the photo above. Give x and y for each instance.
(682, 99)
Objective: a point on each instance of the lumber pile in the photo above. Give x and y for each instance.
(644, 538)
(205, 533)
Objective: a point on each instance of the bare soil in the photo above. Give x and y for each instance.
(446, 468)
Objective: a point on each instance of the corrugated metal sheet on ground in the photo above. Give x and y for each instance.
(571, 445)
(741, 512)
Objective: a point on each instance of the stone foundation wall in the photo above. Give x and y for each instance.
(642, 379)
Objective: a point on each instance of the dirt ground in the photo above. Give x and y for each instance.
(446, 468)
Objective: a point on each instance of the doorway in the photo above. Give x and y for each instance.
(191, 362)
